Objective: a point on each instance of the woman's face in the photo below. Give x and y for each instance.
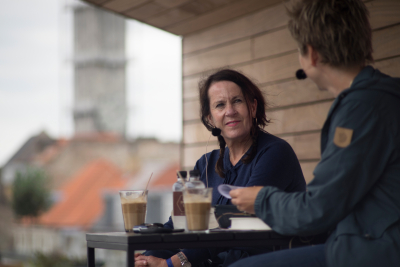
(229, 110)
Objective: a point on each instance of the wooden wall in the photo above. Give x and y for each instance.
(261, 47)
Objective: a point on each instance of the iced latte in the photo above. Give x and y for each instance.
(133, 205)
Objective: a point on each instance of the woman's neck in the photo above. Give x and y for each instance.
(238, 148)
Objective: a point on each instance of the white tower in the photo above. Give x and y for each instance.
(99, 71)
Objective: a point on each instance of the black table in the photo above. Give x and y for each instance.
(130, 242)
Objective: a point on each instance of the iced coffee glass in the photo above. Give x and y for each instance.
(197, 207)
(133, 203)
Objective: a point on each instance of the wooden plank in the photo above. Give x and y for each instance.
(123, 5)
(384, 13)
(191, 110)
(181, 10)
(273, 43)
(191, 155)
(199, 7)
(272, 69)
(146, 11)
(298, 119)
(268, 70)
(238, 52)
(308, 169)
(390, 66)
(264, 20)
(96, 2)
(306, 146)
(190, 87)
(171, 3)
(196, 133)
(386, 42)
(220, 15)
(293, 92)
(228, 55)
(170, 17)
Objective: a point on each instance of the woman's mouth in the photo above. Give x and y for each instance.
(232, 123)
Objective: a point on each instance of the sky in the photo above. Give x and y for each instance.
(36, 76)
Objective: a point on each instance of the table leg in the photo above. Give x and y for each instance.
(90, 257)
(130, 257)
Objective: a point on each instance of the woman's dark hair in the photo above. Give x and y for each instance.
(250, 92)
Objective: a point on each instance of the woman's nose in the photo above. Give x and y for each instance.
(230, 110)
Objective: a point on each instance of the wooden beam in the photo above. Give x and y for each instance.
(122, 6)
(220, 15)
(261, 21)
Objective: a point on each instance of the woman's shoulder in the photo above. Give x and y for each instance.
(267, 140)
(274, 148)
(212, 158)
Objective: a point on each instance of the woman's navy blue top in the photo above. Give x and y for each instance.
(275, 164)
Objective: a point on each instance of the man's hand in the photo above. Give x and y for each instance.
(149, 261)
(244, 198)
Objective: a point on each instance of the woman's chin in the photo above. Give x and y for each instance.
(235, 136)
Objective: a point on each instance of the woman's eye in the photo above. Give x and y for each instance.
(219, 105)
(238, 101)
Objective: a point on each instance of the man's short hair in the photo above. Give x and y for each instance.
(339, 30)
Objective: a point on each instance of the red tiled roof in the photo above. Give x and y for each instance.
(81, 204)
(52, 151)
(166, 179)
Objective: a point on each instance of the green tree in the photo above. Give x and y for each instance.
(51, 260)
(31, 195)
(58, 260)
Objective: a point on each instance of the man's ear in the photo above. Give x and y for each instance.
(313, 55)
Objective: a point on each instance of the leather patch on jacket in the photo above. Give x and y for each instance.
(342, 137)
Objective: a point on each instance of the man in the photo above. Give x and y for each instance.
(355, 193)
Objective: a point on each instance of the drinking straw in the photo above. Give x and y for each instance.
(147, 183)
(183, 180)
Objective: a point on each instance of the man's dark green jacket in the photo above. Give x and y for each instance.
(355, 192)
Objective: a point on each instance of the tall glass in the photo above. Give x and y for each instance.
(133, 203)
(197, 207)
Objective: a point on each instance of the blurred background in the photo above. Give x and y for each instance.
(90, 103)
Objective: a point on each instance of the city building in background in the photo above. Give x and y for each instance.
(99, 71)
(87, 170)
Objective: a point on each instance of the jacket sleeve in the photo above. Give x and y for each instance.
(169, 224)
(341, 179)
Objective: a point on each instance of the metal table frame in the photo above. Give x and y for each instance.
(130, 242)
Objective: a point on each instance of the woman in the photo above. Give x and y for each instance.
(248, 156)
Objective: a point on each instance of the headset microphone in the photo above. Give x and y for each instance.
(216, 131)
(300, 74)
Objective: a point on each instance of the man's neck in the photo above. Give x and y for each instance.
(336, 80)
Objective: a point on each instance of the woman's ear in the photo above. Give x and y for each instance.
(253, 108)
(210, 121)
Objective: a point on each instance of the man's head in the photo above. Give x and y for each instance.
(338, 30)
